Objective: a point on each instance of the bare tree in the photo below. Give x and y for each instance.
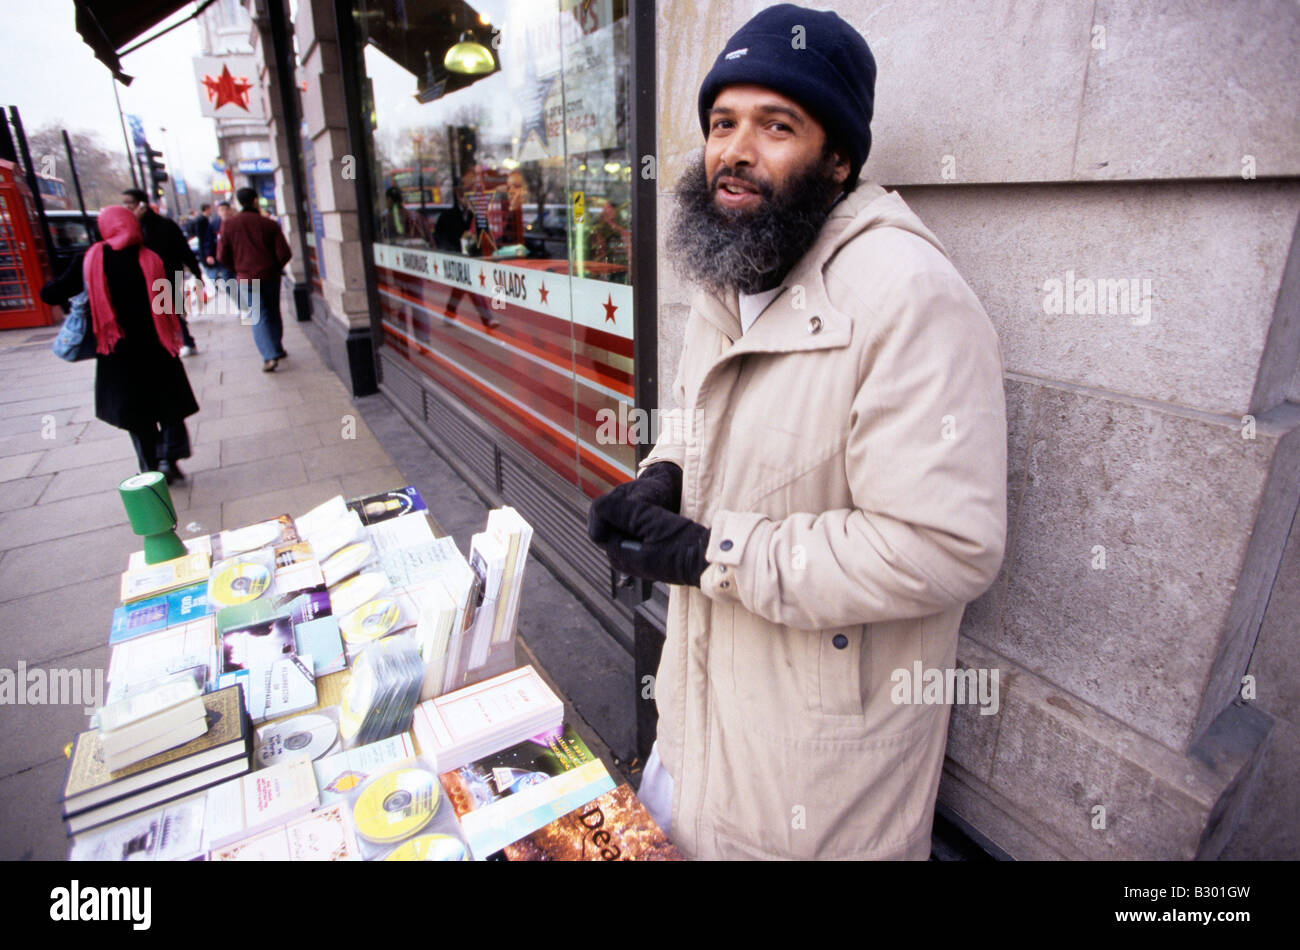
(103, 171)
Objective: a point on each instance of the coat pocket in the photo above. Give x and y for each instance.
(839, 656)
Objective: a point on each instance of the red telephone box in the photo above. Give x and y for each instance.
(23, 261)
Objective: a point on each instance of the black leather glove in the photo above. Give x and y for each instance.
(611, 515)
(660, 546)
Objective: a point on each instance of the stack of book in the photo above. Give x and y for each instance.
(95, 795)
(169, 714)
(456, 728)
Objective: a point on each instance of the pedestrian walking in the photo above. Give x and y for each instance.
(165, 238)
(140, 383)
(253, 246)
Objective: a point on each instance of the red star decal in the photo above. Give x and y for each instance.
(227, 90)
(545, 292)
(610, 307)
(482, 278)
(435, 266)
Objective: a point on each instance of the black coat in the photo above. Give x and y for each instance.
(165, 238)
(139, 383)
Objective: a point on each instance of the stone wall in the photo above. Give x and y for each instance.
(1153, 443)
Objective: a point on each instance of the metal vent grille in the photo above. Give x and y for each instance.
(552, 507)
(474, 448)
(401, 384)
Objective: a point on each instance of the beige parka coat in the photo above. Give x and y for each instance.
(849, 454)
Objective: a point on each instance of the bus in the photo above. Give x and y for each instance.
(54, 193)
(410, 180)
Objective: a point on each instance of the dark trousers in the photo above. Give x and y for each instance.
(167, 440)
(186, 337)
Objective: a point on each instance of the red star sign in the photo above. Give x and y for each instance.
(227, 90)
(545, 293)
(610, 307)
(482, 279)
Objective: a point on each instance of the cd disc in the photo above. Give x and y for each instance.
(238, 582)
(355, 591)
(310, 735)
(429, 848)
(395, 805)
(370, 621)
(344, 561)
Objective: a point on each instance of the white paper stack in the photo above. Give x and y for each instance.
(458, 727)
(258, 801)
(487, 556)
(166, 715)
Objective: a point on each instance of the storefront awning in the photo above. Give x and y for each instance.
(109, 26)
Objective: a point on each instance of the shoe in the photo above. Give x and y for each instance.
(171, 472)
(269, 366)
(188, 350)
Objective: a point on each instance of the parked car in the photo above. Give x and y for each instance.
(71, 234)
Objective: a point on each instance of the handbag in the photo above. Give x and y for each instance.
(76, 339)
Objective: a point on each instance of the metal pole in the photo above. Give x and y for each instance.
(126, 140)
(76, 181)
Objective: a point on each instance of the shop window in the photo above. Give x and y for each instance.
(503, 215)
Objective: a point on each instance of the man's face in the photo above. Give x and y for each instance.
(138, 208)
(758, 140)
(223, 211)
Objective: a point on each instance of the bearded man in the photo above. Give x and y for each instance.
(831, 490)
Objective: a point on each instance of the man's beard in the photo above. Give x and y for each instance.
(748, 251)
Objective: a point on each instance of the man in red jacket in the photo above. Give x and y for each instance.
(255, 249)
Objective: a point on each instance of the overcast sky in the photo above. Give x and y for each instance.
(51, 75)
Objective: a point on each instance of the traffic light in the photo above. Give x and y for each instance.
(157, 170)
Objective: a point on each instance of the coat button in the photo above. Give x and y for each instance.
(840, 641)
(814, 325)
(725, 545)
(725, 584)
(722, 568)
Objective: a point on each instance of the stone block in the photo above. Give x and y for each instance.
(1208, 258)
(1170, 71)
(1059, 759)
(1275, 663)
(1172, 499)
(240, 481)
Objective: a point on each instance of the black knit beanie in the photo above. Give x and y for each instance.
(813, 57)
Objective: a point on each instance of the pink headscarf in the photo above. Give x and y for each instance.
(121, 230)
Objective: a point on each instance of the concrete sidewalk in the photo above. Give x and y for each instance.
(264, 444)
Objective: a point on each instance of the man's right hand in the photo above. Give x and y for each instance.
(612, 515)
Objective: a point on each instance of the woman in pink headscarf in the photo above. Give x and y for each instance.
(140, 384)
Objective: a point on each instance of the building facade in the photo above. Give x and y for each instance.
(1119, 184)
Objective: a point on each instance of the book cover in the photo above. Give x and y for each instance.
(338, 774)
(275, 689)
(157, 613)
(260, 800)
(89, 780)
(264, 534)
(613, 827)
(171, 832)
(320, 639)
(135, 664)
(256, 645)
(323, 835)
(504, 796)
(506, 709)
(140, 709)
(373, 509)
(155, 579)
